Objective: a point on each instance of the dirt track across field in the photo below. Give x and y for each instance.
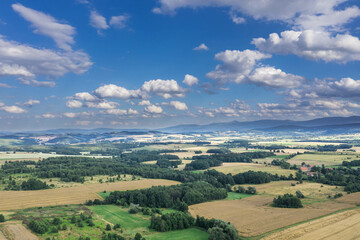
(10, 200)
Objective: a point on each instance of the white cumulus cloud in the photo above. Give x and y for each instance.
(190, 80)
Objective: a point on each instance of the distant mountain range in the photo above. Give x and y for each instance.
(319, 124)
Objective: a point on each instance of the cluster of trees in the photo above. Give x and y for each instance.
(249, 190)
(347, 177)
(353, 163)
(30, 184)
(202, 164)
(287, 201)
(237, 144)
(332, 148)
(165, 163)
(176, 197)
(283, 164)
(218, 151)
(252, 177)
(172, 221)
(33, 184)
(218, 229)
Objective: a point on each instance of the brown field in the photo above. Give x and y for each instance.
(74, 195)
(343, 225)
(16, 231)
(235, 168)
(253, 216)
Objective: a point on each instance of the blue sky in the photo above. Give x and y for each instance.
(156, 63)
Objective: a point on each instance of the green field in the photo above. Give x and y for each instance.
(234, 196)
(138, 223)
(186, 234)
(130, 223)
(104, 194)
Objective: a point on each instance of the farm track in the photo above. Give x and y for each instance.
(10, 200)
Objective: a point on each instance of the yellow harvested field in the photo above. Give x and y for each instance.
(353, 198)
(10, 200)
(253, 216)
(235, 168)
(313, 191)
(319, 159)
(16, 231)
(343, 225)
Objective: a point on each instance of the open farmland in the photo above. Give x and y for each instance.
(235, 168)
(314, 192)
(253, 216)
(323, 158)
(343, 225)
(75, 195)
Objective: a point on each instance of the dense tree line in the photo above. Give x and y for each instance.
(33, 184)
(172, 222)
(218, 229)
(333, 148)
(236, 144)
(252, 177)
(165, 163)
(287, 201)
(168, 197)
(353, 163)
(235, 157)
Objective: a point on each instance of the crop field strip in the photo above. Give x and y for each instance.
(235, 168)
(10, 200)
(343, 225)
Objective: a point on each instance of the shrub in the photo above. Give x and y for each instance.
(2, 218)
(338, 195)
(108, 227)
(38, 226)
(134, 208)
(299, 194)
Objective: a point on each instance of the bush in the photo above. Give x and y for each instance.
(108, 227)
(338, 195)
(134, 208)
(251, 190)
(299, 194)
(2, 218)
(38, 226)
(287, 201)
